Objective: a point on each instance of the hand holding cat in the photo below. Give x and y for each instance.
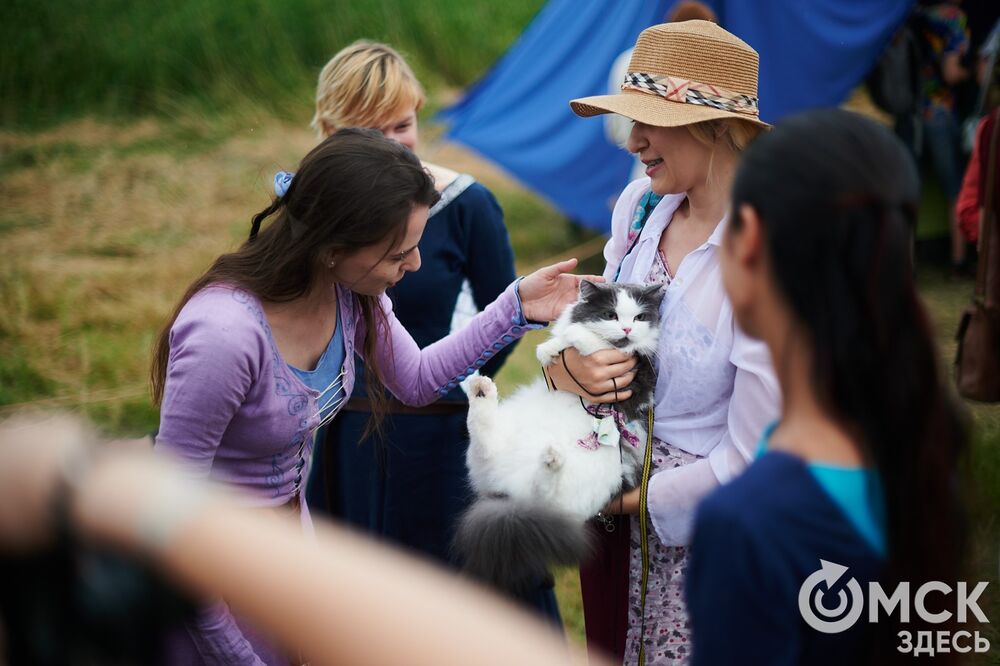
(548, 290)
(602, 377)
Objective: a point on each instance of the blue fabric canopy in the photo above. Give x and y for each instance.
(812, 54)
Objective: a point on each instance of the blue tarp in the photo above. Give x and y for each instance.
(812, 53)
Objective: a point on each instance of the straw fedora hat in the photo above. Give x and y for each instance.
(681, 74)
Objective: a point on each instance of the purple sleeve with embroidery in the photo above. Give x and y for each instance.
(421, 376)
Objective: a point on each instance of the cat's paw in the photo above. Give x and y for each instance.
(482, 387)
(547, 352)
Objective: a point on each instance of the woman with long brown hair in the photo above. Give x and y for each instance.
(260, 350)
(410, 486)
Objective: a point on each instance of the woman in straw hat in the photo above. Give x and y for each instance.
(691, 90)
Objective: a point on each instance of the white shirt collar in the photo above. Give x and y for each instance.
(720, 229)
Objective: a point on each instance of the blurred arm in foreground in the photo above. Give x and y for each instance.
(345, 600)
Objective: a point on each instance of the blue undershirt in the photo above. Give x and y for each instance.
(857, 492)
(326, 377)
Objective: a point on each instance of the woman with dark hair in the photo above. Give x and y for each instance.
(260, 351)
(861, 470)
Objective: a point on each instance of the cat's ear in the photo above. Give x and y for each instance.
(654, 292)
(588, 289)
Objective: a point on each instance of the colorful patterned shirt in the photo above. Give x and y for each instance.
(944, 32)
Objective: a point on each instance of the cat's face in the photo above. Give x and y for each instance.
(622, 314)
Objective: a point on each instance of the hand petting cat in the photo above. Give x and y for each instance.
(547, 291)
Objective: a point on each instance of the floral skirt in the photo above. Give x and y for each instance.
(667, 632)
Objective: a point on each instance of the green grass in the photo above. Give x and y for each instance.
(20, 381)
(119, 58)
(932, 220)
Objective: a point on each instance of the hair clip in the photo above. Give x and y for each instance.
(282, 181)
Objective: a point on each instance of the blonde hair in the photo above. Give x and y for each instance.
(734, 133)
(365, 85)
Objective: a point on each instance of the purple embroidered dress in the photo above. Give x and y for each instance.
(233, 410)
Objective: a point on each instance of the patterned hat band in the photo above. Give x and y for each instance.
(677, 89)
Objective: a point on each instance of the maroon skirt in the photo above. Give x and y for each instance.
(604, 586)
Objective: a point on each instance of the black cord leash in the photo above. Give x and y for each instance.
(562, 356)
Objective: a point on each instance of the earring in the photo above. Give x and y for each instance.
(332, 263)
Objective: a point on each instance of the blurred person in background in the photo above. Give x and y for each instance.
(862, 469)
(691, 90)
(332, 598)
(971, 197)
(944, 35)
(305, 293)
(410, 486)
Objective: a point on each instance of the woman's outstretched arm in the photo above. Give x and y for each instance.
(420, 376)
(334, 599)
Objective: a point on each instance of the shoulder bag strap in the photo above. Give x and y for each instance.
(647, 468)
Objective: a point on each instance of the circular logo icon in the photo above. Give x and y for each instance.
(816, 614)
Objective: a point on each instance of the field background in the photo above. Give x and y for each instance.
(137, 141)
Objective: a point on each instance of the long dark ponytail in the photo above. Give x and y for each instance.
(837, 197)
(353, 190)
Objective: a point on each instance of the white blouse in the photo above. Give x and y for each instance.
(716, 389)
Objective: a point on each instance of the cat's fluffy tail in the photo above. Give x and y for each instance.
(511, 545)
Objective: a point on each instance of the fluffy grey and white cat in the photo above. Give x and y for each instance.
(541, 463)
